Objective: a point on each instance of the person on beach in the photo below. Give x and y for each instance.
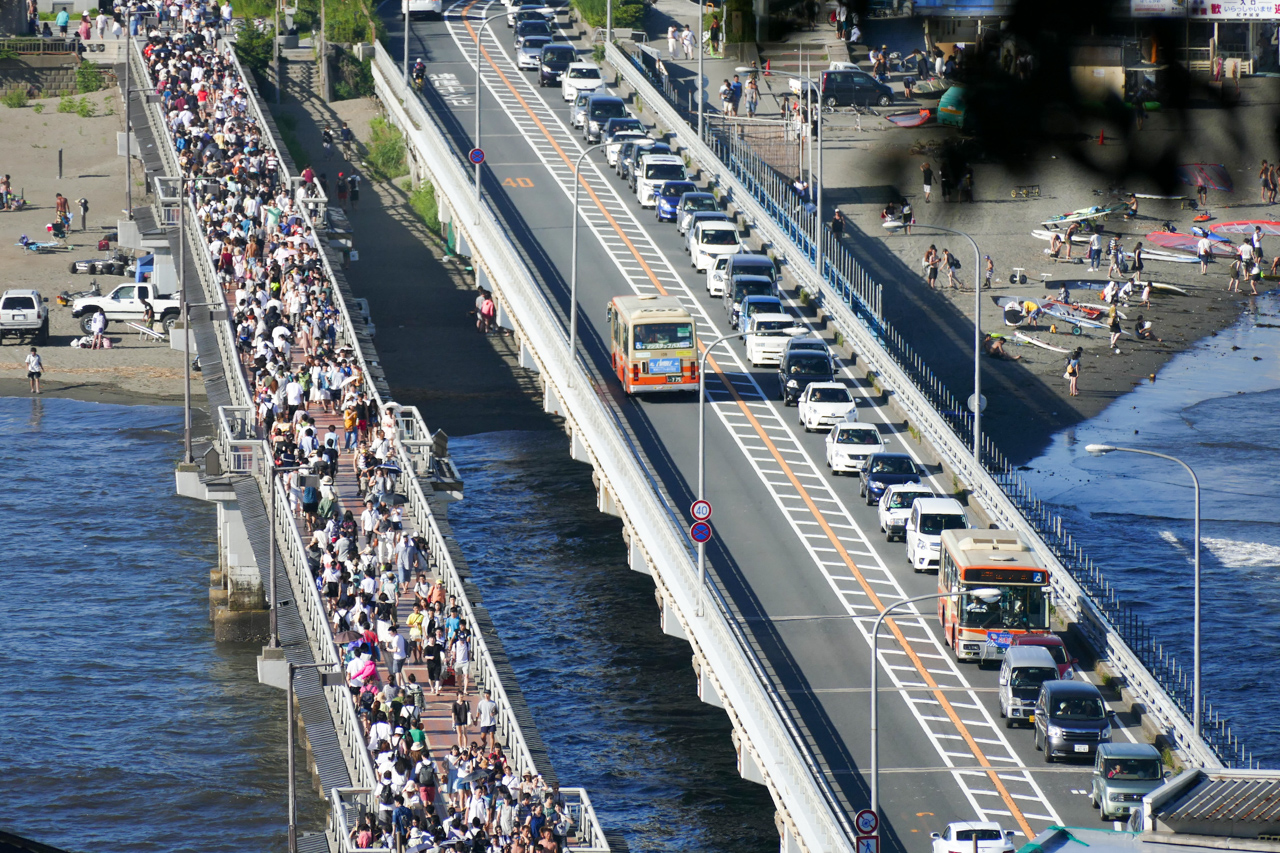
(673, 39)
(1204, 251)
(1137, 261)
(1144, 330)
(1117, 258)
(988, 273)
(1073, 371)
(35, 368)
(1095, 251)
(952, 264)
(931, 260)
(927, 173)
(1113, 326)
(1238, 268)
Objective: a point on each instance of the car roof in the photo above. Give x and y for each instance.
(751, 278)
(536, 42)
(23, 291)
(884, 455)
(1072, 687)
(584, 65)
(805, 342)
(942, 505)
(663, 158)
(898, 488)
(759, 298)
(975, 824)
(621, 119)
(1038, 640)
(831, 385)
(601, 96)
(676, 181)
(1027, 655)
(754, 258)
(1128, 750)
(717, 225)
(699, 194)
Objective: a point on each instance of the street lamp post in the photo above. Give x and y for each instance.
(702, 443)
(987, 594)
(573, 263)
(272, 471)
(977, 334)
(405, 58)
(187, 455)
(701, 80)
(1099, 449)
(479, 31)
(326, 679)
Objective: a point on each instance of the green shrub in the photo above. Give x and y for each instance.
(423, 201)
(66, 104)
(15, 98)
(85, 108)
(88, 78)
(386, 150)
(352, 77)
(627, 14)
(253, 47)
(597, 54)
(37, 108)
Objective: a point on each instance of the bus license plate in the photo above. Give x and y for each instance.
(674, 378)
(664, 365)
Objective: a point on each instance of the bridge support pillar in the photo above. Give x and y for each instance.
(706, 687)
(789, 841)
(748, 767)
(550, 402)
(604, 498)
(635, 555)
(670, 621)
(527, 360)
(577, 449)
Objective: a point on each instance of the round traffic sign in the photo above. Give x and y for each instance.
(700, 510)
(700, 532)
(867, 822)
(476, 156)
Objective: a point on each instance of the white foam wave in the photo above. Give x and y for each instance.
(1235, 554)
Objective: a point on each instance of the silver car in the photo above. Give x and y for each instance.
(529, 55)
(578, 112)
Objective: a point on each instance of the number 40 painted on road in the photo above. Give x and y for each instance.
(523, 183)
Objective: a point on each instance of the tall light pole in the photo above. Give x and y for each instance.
(187, 455)
(573, 263)
(479, 31)
(608, 21)
(811, 110)
(128, 116)
(987, 594)
(275, 51)
(327, 679)
(977, 332)
(272, 471)
(701, 79)
(702, 456)
(406, 42)
(1099, 449)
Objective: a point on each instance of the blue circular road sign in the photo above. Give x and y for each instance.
(700, 532)
(476, 156)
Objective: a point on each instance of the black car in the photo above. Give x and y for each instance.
(555, 59)
(1071, 719)
(797, 370)
(524, 29)
(854, 88)
(883, 470)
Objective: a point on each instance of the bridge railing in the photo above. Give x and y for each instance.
(1115, 629)
(791, 769)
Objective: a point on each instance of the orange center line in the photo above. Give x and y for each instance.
(773, 450)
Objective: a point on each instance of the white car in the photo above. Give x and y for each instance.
(421, 7)
(715, 276)
(580, 77)
(548, 13)
(654, 170)
(824, 404)
(769, 335)
(710, 240)
(923, 530)
(849, 444)
(973, 836)
(615, 143)
(895, 506)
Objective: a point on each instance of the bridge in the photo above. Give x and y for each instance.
(798, 570)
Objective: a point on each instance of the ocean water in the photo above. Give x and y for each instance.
(614, 698)
(124, 726)
(1216, 407)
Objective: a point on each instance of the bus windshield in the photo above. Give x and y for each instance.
(653, 336)
(1020, 607)
(934, 523)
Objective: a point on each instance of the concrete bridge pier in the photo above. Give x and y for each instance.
(237, 601)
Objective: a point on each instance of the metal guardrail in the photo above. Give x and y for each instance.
(1115, 630)
(34, 45)
(792, 771)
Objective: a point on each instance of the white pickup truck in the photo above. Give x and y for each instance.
(124, 305)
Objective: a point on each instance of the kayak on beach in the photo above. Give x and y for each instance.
(1027, 339)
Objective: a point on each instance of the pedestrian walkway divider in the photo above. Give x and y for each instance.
(843, 289)
(422, 460)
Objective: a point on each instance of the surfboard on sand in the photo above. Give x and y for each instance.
(1269, 229)
(1084, 214)
(1041, 234)
(1168, 288)
(1201, 232)
(1027, 339)
(911, 119)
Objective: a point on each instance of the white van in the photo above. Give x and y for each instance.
(770, 333)
(923, 532)
(654, 170)
(413, 8)
(1024, 669)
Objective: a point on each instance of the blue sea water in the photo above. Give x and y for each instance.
(1216, 407)
(124, 727)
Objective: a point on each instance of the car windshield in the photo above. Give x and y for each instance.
(749, 268)
(1057, 652)
(866, 435)
(697, 203)
(904, 500)
(19, 303)
(978, 835)
(1133, 769)
(663, 171)
(830, 395)
(1033, 676)
(584, 73)
(653, 336)
(775, 328)
(603, 112)
(932, 524)
(559, 54)
(627, 126)
(676, 188)
(893, 465)
(809, 364)
(533, 44)
(539, 27)
(751, 288)
(719, 237)
(1079, 708)
(1019, 607)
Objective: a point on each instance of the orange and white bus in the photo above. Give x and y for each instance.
(996, 559)
(652, 344)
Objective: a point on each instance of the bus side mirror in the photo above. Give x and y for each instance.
(608, 313)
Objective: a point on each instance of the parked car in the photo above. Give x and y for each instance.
(1124, 773)
(1054, 645)
(924, 528)
(580, 77)
(1071, 719)
(553, 62)
(668, 198)
(824, 404)
(799, 369)
(854, 88)
(24, 314)
(973, 836)
(895, 506)
(1022, 672)
(887, 469)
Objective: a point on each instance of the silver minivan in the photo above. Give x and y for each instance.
(1024, 669)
